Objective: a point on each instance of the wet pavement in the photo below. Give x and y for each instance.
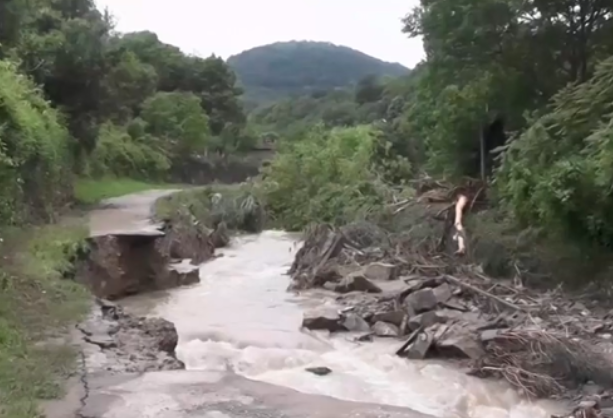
(197, 394)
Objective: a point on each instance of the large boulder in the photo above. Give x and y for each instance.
(220, 237)
(323, 319)
(421, 301)
(356, 282)
(380, 271)
(354, 322)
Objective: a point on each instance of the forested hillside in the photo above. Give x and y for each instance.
(281, 69)
(80, 99)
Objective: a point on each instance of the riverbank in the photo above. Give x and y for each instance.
(42, 297)
(426, 286)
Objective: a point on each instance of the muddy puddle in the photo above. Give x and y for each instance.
(241, 319)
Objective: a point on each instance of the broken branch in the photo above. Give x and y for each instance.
(458, 282)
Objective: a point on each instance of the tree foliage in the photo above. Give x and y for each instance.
(559, 171)
(123, 104)
(315, 177)
(34, 155)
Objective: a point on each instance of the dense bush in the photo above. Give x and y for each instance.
(325, 176)
(35, 168)
(559, 172)
(238, 206)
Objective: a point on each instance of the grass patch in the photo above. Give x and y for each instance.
(37, 305)
(92, 191)
(237, 205)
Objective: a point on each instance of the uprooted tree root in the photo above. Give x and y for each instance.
(544, 364)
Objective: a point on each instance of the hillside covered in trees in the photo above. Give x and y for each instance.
(278, 70)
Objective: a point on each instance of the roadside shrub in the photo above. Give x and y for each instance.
(558, 172)
(35, 164)
(324, 176)
(237, 205)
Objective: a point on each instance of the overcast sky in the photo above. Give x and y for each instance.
(227, 27)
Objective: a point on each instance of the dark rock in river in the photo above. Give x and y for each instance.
(393, 317)
(425, 320)
(322, 319)
(380, 271)
(220, 237)
(319, 371)
(419, 349)
(443, 293)
(463, 344)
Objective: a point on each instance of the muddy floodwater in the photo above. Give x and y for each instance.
(241, 319)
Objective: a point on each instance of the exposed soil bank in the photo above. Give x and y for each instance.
(125, 343)
(545, 344)
(129, 253)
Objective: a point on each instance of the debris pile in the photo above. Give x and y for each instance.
(423, 290)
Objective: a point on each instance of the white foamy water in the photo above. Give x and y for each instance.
(240, 318)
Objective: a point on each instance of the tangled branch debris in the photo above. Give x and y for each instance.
(419, 285)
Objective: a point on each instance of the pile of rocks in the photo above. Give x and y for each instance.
(428, 310)
(546, 345)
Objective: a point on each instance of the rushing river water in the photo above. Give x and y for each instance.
(240, 318)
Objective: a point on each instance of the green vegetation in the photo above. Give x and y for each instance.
(270, 72)
(36, 305)
(34, 159)
(79, 98)
(326, 176)
(239, 206)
